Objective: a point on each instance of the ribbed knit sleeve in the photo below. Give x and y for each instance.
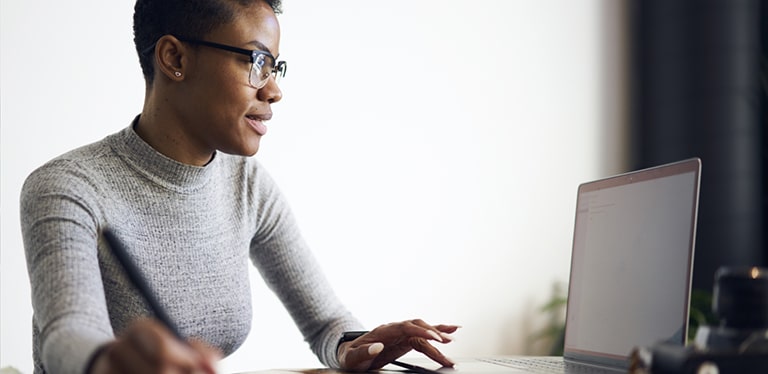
(58, 226)
(292, 272)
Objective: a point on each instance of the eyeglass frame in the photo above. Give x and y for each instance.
(278, 67)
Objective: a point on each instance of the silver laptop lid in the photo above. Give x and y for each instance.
(632, 262)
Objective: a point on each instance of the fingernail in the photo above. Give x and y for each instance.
(446, 337)
(451, 361)
(434, 335)
(375, 348)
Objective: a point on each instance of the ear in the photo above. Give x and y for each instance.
(171, 57)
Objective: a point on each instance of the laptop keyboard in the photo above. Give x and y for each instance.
(544, 365)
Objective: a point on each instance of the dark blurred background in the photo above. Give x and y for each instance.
(699, 87)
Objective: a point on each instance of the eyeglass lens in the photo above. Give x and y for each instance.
(263, 67)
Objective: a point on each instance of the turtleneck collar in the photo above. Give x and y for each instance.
(163, 170)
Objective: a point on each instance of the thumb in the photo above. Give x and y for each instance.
(360, 358)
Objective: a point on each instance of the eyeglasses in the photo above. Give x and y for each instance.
(263, 64)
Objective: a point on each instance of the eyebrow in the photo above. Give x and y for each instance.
(261, 46)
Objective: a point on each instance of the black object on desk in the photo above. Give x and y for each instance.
(352, 335)
(414, 368)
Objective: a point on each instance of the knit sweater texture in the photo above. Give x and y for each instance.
(191, 230)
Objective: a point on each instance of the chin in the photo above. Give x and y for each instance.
(251, 149)
(246, 150)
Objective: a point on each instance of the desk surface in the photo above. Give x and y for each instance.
(389, 369)
(315, 371)
(295, 371)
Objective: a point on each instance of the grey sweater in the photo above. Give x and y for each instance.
(190, 229)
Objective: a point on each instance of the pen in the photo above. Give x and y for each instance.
(414, 368)
(138, 280)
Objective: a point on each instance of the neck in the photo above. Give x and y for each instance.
(162, 127)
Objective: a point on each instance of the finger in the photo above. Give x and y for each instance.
(428, 350)
(445, 332)
(178, 355)
(123, 357)
(160, 348)
(418, 327)
(209, 356)
(442, 330)
(448, 329)
(360, 357)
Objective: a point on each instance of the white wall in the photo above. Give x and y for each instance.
(431, 152)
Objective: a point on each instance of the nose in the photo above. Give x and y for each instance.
(271, 92)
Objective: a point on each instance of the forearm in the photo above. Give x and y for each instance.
(296, 279)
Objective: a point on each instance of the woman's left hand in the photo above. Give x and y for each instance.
(387, 343)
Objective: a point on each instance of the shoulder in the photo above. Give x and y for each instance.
(70, 164)
(75, 173)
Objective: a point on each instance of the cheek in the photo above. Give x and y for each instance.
(229, 95)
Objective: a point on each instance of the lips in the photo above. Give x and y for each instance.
(256, 121)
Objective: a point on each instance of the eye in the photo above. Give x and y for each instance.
(260, 61)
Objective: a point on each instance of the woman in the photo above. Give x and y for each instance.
(180, 190)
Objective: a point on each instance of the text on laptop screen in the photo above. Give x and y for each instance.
(630, 267)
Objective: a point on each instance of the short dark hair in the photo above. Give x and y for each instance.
(185, 18)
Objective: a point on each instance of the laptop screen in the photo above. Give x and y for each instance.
(632, 261)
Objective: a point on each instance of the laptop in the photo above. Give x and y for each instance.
(631, 268)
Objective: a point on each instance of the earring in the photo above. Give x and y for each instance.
(177, 74)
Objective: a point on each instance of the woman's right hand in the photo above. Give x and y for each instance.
(149, 347)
